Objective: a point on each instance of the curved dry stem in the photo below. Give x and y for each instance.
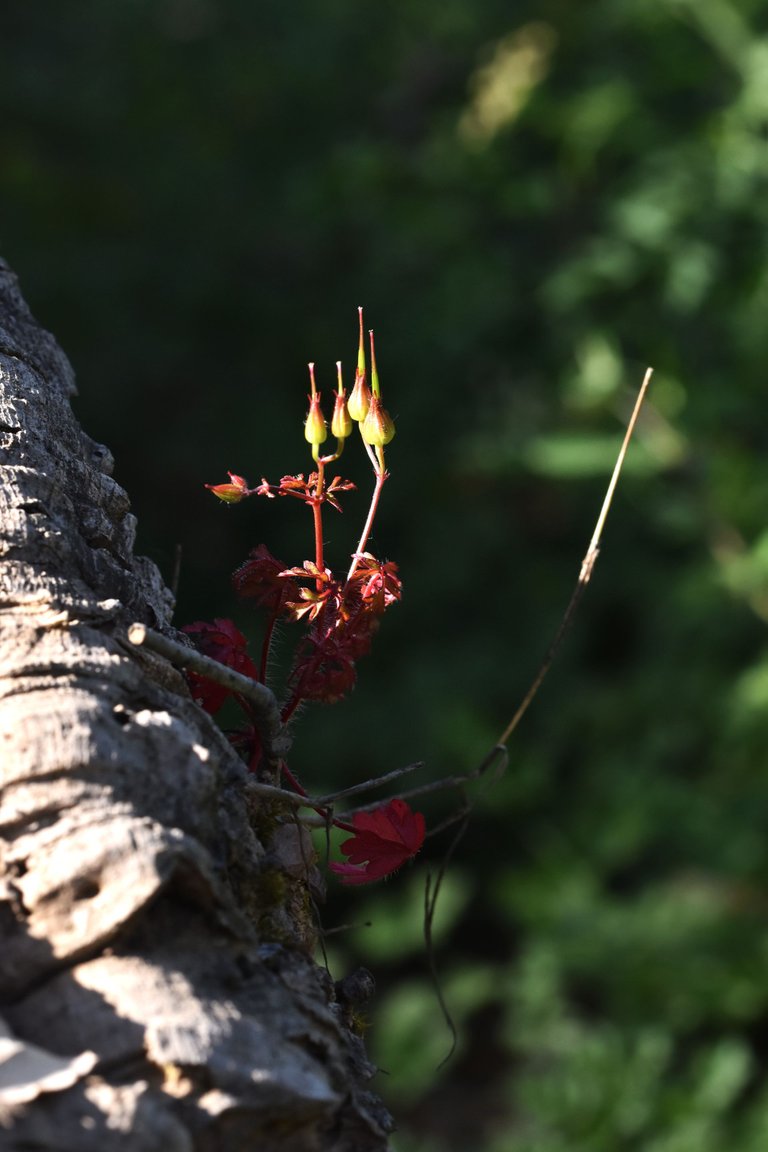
(587, 567)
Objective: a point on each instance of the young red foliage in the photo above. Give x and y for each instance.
(306, 489)
(324, 670)
(378, 582)
(223, 642)
(323, 593)
(344, 619)
(384, 839)
(263, 578)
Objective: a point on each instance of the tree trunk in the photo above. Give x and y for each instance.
(156, 984)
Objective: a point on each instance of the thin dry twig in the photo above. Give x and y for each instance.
(366, 785)
(431, 891)
(409, 793)
(587, 567)
(297, 800)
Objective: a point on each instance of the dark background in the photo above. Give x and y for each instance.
(533, 202)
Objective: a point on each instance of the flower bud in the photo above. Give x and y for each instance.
(341, 421)
(231, 493)
(315, 431)
(359, 398)
(378, 428)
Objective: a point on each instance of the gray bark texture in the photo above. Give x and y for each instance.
(157, 988)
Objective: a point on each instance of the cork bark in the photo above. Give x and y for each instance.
(157, 985)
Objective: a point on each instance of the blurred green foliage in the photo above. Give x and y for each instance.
(533, 202)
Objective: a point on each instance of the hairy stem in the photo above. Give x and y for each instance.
(267, 642)
(381, 476)
(291, 706)
(317, 513)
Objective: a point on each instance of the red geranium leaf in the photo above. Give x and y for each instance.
(262, 578)
(223, 642)
(207, 693)
(384, 839)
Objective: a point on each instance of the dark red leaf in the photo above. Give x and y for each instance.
(223, 642)
(384, 839)
(263, 578)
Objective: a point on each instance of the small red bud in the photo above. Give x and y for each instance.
(231, 493)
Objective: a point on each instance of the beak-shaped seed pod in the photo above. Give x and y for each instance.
(378, 428)
(360, 396)
(315, 431)
(341, 421)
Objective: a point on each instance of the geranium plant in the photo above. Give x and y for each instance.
(338, 615)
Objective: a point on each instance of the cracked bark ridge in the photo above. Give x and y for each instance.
(156, 985)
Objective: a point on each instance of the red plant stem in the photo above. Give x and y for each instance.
(296, 699)
(324, 812)
(267, 642)
(289, 776)
(291, 706)
(381, 476)
(317, 513)
(342, 824)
